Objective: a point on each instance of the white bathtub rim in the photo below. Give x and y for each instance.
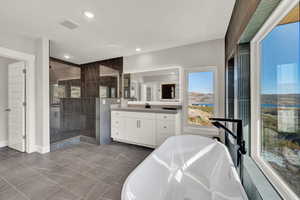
(242, 190)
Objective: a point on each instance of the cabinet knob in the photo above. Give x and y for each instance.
(165, 127)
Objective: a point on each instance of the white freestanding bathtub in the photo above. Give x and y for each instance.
(185, 168)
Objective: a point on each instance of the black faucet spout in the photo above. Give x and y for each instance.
(238, 135)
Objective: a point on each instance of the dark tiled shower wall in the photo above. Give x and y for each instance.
(71, 117)
(91, 79)
(77, 117)
(90, 75)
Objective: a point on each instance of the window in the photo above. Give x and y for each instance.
(276, 105)
(200, 97)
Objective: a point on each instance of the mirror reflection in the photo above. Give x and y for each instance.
(160, 85)
(109, 82)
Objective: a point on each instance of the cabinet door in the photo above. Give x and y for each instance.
(131, 129)
(141, 131)
(146, 131)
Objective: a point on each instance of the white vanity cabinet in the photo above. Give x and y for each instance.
(165, 127)
(140, 129)
(117, 124)
(143, 128)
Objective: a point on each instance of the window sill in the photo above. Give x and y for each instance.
(257, 180)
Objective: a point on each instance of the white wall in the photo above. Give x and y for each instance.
(42, 96)
(203, 54)
(40, 49)
(4, 62)
(18, 43)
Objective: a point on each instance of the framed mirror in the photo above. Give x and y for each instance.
(153, 86)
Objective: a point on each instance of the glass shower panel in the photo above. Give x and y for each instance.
(65, 101)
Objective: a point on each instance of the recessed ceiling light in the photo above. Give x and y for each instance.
(89, 14)
(138, 49)
(67, 56)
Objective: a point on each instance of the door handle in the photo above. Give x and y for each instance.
(138, 123)
(7, 110)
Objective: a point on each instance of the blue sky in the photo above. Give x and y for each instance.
(280, 59)
(201, 82)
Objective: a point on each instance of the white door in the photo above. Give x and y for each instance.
(16, 106)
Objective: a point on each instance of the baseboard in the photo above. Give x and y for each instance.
(41, 149)
(3, 143)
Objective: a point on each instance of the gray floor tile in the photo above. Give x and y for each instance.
(9, 164)
(18, 175)
(97, 191)
(12, 194)
(4, 185)
(63, 194)
(39, 189)
(80, 172)
(113, 193)
(58, 176)
(80, 185)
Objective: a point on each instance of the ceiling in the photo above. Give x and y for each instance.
(119, 26)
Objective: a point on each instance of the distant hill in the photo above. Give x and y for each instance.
(282, 99)
(196, 97)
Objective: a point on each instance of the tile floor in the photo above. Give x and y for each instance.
(81, 172)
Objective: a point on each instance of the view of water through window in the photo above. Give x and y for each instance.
(280, 102)
(200, 98)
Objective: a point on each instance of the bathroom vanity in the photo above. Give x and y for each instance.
(143, 126)
(134, 123)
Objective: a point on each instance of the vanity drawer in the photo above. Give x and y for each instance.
(117, 114)
(165, 117)
(115, 132)
(115, 122)
(166, 126)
